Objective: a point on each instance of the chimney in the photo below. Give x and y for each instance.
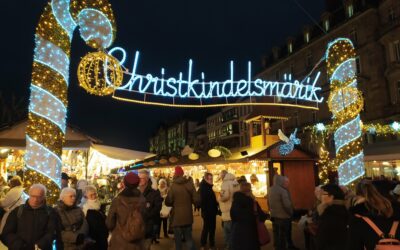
(275, 52)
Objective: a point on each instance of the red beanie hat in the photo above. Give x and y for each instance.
(131, 179)
(178, 171)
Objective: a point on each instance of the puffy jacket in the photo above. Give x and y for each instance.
(279, 201)
(181, 196)
(13, 199)
(71, 224)
(32, 226)
(228, 188)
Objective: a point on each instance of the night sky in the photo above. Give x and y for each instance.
(168, 34)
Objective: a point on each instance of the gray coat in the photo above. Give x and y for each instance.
(72, 223)
(279, 201)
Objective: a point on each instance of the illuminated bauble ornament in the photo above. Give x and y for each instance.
(99, 73)
(345, 102)
(214, 153)
(193, 156)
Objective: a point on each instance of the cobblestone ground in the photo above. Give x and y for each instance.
(168, 244)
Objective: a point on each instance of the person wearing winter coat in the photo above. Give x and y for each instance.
(209, 210)
(163, 188)
(378, 209)
(127, 200)
(281, 208)
(95, 218)
(14, 198)
(181, 196)
(32, 224)
(333, 219)
(73, 229)
(228, 188)
(153, 207)
(244, 219)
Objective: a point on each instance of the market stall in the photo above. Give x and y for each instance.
(83, 156)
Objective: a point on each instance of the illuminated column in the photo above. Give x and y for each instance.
(345, 102)
(48, 100)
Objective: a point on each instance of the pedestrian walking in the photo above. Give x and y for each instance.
(379, 210)
(73, 229)
(197, 186)
(125, 217)
(181, 197)
(14, 198)
(31, 225)
(95, 218)
(281, 207)
(244, 219)
(333, 219)
(228, 188)
(165, 210)
(152, 208)
(209, 211)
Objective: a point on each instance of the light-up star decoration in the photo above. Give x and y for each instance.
(288, 146)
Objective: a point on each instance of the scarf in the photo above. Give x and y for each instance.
(91, 204)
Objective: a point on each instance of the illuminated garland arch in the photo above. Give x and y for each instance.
(48, 99)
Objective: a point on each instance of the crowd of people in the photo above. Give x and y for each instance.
(146, 206)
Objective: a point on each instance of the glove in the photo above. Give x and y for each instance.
(80, 239)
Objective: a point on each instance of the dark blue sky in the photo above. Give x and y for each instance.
(168, 34)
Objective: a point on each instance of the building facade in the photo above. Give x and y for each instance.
(374, 28)
(228, 127)
(170, 140)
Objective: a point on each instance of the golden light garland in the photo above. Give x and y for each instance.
(93, 71)
(49, 101)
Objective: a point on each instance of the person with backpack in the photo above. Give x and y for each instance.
(125, 217)
(31, 225)
(181, 196)
(374, 220)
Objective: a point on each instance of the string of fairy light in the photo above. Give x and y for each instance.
(50, 76)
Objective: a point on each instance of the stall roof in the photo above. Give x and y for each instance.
(121, 153)
(14, 137)
(238, 155)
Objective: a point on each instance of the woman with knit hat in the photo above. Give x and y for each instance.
(119, 219)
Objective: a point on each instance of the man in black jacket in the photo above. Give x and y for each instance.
(153, 206)
(31, 225)
(209, 210)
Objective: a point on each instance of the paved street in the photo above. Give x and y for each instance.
(169, 243)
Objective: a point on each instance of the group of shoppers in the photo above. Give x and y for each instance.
(342, 219)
